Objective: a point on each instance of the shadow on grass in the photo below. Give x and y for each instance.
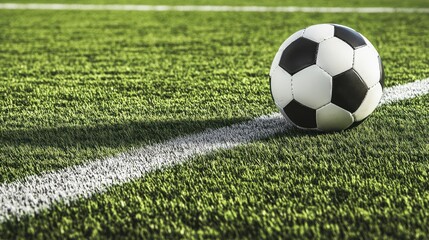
(33, 151)
(112, 136)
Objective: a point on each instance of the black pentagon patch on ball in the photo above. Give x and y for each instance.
(348, 90)
(298, 55)
(301, 115)
(381, 72)
(352, 38)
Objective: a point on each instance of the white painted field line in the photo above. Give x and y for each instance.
(208, 8)
(406, 91)
(34, 193)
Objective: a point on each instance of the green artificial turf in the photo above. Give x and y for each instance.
(73, 91)
(78, 86)
(369, 182)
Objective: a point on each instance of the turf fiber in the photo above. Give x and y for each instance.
(74, 91)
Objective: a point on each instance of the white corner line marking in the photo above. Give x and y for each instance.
(208, 8)
(37, 192)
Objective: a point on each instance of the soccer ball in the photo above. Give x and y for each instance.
(326, 77)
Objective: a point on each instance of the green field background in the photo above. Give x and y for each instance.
(76, 86)
(73, 91)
